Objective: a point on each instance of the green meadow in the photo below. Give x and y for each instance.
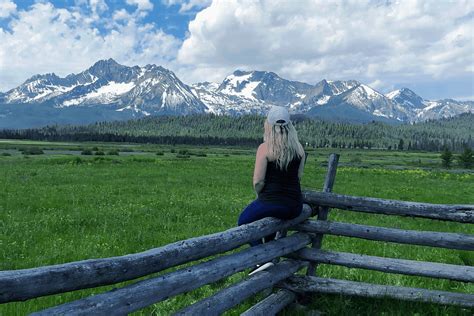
(62, 206)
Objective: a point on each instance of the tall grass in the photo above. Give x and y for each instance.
(61, 209)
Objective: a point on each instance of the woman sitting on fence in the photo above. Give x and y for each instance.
(278, 169)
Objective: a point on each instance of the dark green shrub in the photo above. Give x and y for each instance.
(32, 151)
(95, 148)
(201, 154)
(160, 153)
(446, 157)
(5, 154)
(182, 156)
(113, 152)
(172, 150)
(86, 152)
(183, 152)
(99, 153)
(356, 159)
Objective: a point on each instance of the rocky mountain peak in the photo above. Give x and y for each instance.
(406, 98)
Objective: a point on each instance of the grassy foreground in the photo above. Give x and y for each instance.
(57, 209)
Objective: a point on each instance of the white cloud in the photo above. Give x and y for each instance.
(377, 84)
(191, 4)
(188, 5)
(44, 39)
(307, 40)
(143, 5)
(121, 14)
(7, 7)
(98, 5)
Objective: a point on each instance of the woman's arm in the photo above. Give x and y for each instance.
(260, 168)
(301, 167)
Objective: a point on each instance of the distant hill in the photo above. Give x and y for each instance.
(208, 129)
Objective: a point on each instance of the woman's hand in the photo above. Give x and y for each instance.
(258, 187)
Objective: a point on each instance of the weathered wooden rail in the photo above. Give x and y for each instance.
(301, 249)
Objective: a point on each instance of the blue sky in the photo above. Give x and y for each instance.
(165, 15)
(426, 46)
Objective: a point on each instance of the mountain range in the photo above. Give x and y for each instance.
(111, 91)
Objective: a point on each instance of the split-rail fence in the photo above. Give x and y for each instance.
(298, 250)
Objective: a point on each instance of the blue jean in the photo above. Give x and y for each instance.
(259, 209)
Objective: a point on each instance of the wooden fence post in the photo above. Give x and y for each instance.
(323, 211)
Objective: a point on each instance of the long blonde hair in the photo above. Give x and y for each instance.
(282, 143)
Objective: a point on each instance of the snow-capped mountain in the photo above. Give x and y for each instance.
(145, 90)
(443, 109)
(250, 92)
(419, 109)
(369, 100)
(227, 102)
(108, 91)
(350, 100)
(406, 98)
(322, 92)
(264, 86)
(255, 91)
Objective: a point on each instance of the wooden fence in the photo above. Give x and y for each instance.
(297, 250)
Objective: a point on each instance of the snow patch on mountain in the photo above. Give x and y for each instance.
(393, 94)
(234, 81)
(371, 93)
(50, 91)
(430, 105)
(104, 95)
(323, 100)
(248, 90)
(239, 84)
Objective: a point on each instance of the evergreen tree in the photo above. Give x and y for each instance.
(400, 144)
(446, 157)
(466, 159)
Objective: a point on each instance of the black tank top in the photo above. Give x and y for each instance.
(282, 186)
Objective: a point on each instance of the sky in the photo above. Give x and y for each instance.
(426, 46)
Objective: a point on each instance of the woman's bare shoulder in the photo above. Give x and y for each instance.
(262, 150)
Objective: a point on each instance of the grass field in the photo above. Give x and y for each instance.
(57, 208)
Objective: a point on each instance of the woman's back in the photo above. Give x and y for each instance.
(282, 186)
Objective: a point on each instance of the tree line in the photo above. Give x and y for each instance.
(207, 129)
